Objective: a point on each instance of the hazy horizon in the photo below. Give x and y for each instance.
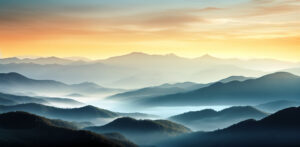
(85, 58)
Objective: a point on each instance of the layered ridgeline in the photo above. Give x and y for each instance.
(8, 99)
(142, 70)
(86, 113)
(17, 83)
(209, 120)
(272, 87)
(28, 130)
(143, 132)
(275, 106)
(277, 130)
(167, 89)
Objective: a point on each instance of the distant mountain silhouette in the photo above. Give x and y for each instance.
(277, 105)
(276, 86)
(143, 132)
(146, 92)
(27, 130)
(183, 85)
(75, 95)
(40, 60)
(142, 70)
(14, 82)
(234, 78)
(208, 119)
(277, 130)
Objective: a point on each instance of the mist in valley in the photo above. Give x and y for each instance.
(150, 113)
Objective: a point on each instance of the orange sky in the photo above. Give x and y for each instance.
(244, 29)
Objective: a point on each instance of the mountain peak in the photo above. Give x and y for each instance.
(137, 54)
(90, 107)
(280, 75)
(13, 75)
(208, 56)
(234, 78)
(88, 84)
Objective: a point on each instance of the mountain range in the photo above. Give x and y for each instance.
(209, 120)
(86, 113)
(143, 132)
(28, 130)
(17, 83)
(9, 99)
(167, 89)
(275, 106)
(142, 70)
(277, 130)
(271, 87)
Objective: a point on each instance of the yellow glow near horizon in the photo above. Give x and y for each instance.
(245, 29)
(284, 50)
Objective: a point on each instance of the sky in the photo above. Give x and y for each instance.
(189, 28)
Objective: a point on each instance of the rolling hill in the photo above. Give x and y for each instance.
(36, 131)
(276, 86)
(209, 120)
(143, 132)
(277, 130)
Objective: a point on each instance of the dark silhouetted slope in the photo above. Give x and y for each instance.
(208, 120)
(142, 131)
(277, 130)
(277, 105)
(27, 130)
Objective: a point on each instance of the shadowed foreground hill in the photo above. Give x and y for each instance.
(27, 130)
(143, 132)
(278, 130)
(209, 120)
(276, 86)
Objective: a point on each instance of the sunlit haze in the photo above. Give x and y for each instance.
(102, 29)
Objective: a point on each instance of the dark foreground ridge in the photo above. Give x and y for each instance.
(28, 130)
(278, 130)
(143, 131)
